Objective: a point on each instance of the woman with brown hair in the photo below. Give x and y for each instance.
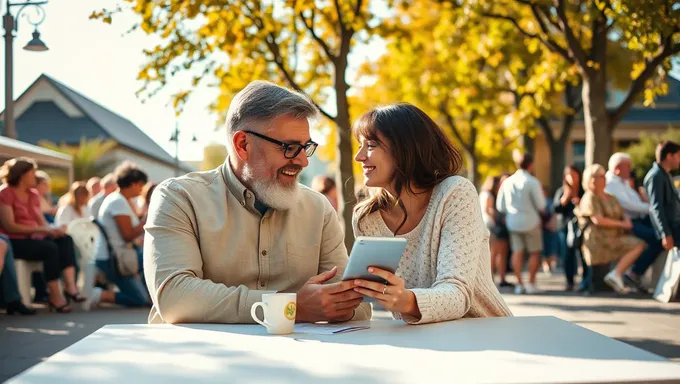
(75, 207)
(411, 165)
(31, 236)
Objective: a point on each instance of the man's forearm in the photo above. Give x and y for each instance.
(185, 298)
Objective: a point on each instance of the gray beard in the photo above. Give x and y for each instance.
(270, 192)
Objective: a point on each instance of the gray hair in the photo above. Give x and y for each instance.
(262, 101)
(616, 159)
(108, 181)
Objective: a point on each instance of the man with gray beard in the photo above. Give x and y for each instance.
(216, 241)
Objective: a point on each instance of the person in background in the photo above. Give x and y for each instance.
(8, 281)
(637, 186)
(444, 273)
(107, 185)
(147, 192)
(567, 197)
(607, 236)
(94, 185)
(326, 186)
(634, 207)
(522, 202)
(498, 240)
(44, 188)
(664, 202)
(32, 237)
(75, 207)
(550, 238)
(119, 219)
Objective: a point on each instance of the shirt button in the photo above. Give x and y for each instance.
(264, 253)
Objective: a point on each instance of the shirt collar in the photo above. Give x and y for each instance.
(244, 196)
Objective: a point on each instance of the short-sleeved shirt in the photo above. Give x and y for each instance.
(114, 205)
(25, 212)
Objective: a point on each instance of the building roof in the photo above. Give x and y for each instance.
(102, 122)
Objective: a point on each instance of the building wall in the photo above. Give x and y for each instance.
(156, 170)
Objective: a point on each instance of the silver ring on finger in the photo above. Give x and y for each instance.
(384, 289)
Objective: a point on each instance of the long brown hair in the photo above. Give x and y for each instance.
(13, 169)
(76, 188)
(424, 156)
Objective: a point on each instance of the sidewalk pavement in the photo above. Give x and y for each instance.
(639, 321)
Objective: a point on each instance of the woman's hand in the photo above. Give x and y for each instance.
(627, 224)
(393, 296)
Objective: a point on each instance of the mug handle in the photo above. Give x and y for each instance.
(253, 314)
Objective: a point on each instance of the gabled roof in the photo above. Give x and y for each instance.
(117, 127)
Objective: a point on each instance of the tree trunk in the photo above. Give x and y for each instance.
(558, 160)
(345, 176)
(595, 116)
(473, 164)
(528, 144)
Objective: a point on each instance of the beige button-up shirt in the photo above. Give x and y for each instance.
(209, 254)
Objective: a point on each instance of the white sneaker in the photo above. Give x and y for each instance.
(616, 282)
(93, 300)
(531, 289)
(519, 289)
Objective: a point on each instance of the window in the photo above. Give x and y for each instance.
(578, 153)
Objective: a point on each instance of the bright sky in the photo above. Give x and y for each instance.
(101, 62)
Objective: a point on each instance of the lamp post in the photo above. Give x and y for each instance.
(11, 24)
(175, 137)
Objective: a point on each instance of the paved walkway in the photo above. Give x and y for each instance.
(642, 322)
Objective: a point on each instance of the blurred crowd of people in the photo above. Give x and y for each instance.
(601, 219)
(36, 229)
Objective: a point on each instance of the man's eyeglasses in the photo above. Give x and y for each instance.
(290, 151)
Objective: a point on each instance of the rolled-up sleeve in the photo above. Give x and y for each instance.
(173, 267)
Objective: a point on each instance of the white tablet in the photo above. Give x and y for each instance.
(380, 252)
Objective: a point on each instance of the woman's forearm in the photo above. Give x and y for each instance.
(607, 222)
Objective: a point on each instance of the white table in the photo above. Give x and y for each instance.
(519, 349)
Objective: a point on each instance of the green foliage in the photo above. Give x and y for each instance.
(643, 153)
(87, 156)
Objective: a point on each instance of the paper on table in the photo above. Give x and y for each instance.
(327, 329)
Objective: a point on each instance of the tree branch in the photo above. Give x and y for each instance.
(310, 28)
(357, 8)
(574, 46)
(639, 84)
(547, 131)
(339, 11)
(548, 42)
(454, 128)
(275, 50)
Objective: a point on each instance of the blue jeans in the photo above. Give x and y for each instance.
(9, 284)
(132, 293)
(642, 228)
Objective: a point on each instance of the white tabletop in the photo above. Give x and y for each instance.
(507, 350)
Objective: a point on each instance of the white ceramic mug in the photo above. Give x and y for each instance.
(279, 312)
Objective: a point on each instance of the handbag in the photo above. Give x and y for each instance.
(575, 233)
(669, 281)
(122, 260)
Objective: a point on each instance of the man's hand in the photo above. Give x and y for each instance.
(667, 243)
(56, 232)
(330, 302)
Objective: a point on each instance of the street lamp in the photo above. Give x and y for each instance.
(11, 24)
(175, 137)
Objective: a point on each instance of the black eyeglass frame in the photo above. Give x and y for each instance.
(309, 147)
